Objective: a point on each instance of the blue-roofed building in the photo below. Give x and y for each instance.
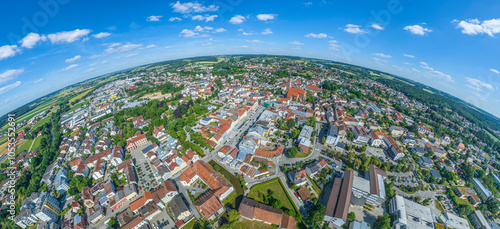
(480, 189)
(436, 174)
(61, 181)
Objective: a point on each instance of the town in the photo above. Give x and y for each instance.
(252, 142)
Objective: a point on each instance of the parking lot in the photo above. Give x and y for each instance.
(145, 172)
(162, 221)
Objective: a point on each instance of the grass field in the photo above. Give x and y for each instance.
(79, 105)
(492, 136)
(41, 122)
(81, 95)
(275, 186)
(428, 91)
(439, 206)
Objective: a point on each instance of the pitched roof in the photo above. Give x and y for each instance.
(254, 210)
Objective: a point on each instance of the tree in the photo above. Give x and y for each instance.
(350, 135)
(316, 215)
(323, 140)
(292, 152)
(357, 163)
(276, 203)
(284, 126)
(233, 215)
(351, 216)
(113, 223)
(383, 222)
(295, 133)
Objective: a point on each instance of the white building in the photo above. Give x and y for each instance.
(410, 215)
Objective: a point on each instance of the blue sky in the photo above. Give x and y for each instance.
(450, 45)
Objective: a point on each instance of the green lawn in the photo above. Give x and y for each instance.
(275, 186)
(41, 122)
(251, 225)
(25, 146)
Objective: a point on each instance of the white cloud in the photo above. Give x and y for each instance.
(132, 55)
(203, 29)
(494, 70)
(254, 41)
(267, 31)
(122, 48)
(39, 80)
(74, 59)
(68, 36)
(175, 19)
(434, 73)
(245, 33)
(104, 62)
(102, 35)
(167, 47)
(30, 40)
(151, 46)
(474, 26)
(9, 87)
(220, 30)
(417, 29)
(333, 45)
(8, 51)
(90, 70)
(10, 75)
(154, 18)
(205, 17)
(69, 67)
(382, 55)
(265, 17)
(96, 56)
(377, 26)
(192, 7)
(477, 85)
(188, 33)
(238, 19)
(319, 35)
(408, 55)
(355, 29)
(295, 43)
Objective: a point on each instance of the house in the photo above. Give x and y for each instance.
(418, 151)
(425, 162)
(215, 181)
(298, 177)
(313, 168)
(137, 140)
(61, 182)
(253, 210)
(434, 173)
(209, 205)
(164, 193)
(179, 208)
(396, 130)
